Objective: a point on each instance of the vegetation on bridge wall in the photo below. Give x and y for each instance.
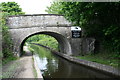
(6, 41)
(98, 20)
(7, 9)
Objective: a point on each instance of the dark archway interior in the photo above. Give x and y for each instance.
(64, 45)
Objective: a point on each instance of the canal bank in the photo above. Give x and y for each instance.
(23, 68)
(37, 69)
(108, 70)
(114, 72)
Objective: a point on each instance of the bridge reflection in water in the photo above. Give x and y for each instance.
(53, 66)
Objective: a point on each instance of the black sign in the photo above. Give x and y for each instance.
(76, 34)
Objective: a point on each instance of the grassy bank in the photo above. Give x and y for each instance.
(107, 59)
(9, 71)
(7, 44)
(9, 59)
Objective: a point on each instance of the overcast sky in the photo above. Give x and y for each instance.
(32, 6)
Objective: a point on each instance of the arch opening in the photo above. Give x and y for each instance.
(63, 43)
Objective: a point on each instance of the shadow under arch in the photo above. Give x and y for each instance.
(64, 44)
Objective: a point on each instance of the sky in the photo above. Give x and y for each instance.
(32, 6)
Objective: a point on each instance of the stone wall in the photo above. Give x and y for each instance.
(87, 45)
(45, 20)
(24, 26)
(63, 38)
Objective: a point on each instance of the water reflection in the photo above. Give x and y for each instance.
(47, 62)
(67, 69)
(53, 66)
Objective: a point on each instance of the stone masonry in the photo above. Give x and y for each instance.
(24, 26)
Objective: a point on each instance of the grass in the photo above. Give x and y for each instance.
(107, 59)
(9, 59)
(10, 71)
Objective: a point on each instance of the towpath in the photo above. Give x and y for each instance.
(21, 68)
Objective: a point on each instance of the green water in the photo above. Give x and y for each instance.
(53, 66)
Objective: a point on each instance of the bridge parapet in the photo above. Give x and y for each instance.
(45, 20)
(25, 26)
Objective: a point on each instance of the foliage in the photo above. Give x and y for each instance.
(6, 41)
(54, 9)
(98, 20)
(11, 8)
(7, 9)
(8, 59)
(44, 40)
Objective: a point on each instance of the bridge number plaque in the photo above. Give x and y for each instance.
(76, 32)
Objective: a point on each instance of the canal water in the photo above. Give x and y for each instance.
(53, 66)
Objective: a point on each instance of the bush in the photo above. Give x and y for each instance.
(6, 40)
(9, 8)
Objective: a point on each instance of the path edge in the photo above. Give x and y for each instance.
(39, 74)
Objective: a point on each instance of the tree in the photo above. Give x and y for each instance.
(99, 20)
(54, 8)
(11, 7)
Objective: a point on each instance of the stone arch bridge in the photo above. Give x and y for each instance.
(22, 27)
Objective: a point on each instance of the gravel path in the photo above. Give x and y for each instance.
(21, 68)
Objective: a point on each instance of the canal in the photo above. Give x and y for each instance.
(53, 66)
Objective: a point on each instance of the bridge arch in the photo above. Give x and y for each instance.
(64, 44)
(23, 26)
